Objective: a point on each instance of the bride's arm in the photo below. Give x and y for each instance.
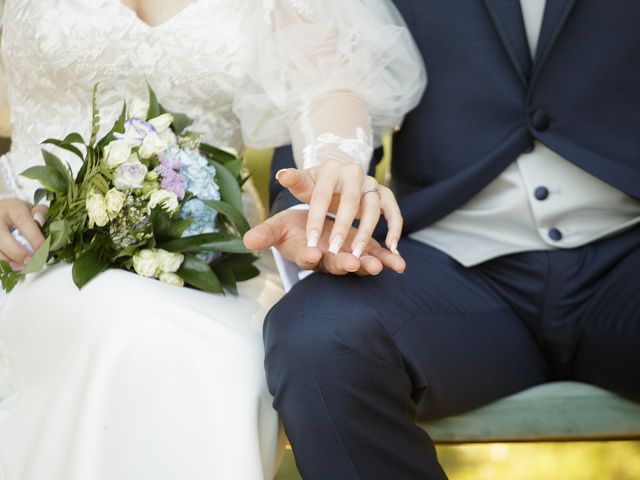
(15, 213)
(331, 77)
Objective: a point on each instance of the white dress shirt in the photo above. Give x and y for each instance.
(540, 202)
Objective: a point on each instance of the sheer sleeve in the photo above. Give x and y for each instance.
(329, 76)
(4, 104)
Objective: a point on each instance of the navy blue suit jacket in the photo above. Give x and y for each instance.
(488, 100)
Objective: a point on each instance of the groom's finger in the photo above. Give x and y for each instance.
(341, 264)
(265, 235)
(389, 260)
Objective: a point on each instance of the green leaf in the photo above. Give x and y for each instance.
(228, 280)
(39, 259)
(8, 277)
(232, 214)
(197, 273)
(217, 154)
(54, 162)
(95, 115)
(181, 122)
(48, 177)
(39, 195)
(60, 231)
(165, 228)
(155, 109)
(119, 127)
(89, 265)
(229, 188)
(210, 242)
(65, 146)
(241, 266)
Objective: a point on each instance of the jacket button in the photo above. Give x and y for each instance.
(555, 234)
(541, 193)
(540, 120)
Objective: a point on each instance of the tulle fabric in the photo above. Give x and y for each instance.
(307, 51)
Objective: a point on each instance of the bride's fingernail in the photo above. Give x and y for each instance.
(313, 239)
(359, 249)
(336, 244)
(38, 217)
(394, 247)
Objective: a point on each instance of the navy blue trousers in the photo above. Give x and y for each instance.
(354, 362)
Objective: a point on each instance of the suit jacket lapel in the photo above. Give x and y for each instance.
(507, 17)
(555, 16)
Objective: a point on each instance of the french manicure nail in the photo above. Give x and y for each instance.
(336, 244)
(359, 250)
(313, 239)
(394, 247)
(39, 218)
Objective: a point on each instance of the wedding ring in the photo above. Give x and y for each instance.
(373, 190)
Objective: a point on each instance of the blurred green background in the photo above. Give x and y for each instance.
(529, 461)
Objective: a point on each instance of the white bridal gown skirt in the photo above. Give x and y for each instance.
(131, 379)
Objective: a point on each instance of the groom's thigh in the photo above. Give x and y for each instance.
(452, 342)
(609, 351)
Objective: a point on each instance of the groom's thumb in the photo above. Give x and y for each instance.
(261, 237)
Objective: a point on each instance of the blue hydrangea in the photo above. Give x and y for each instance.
(203, 216)
(200, 176)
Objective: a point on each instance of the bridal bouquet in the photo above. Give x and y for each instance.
(149, 198)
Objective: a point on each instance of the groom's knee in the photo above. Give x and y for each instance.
(320, 326)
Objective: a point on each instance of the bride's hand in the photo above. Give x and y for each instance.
(27, 219)
(343, 189)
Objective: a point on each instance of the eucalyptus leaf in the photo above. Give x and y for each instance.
(197, 273)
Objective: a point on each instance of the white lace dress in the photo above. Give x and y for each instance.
(130, 378)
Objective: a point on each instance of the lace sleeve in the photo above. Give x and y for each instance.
(329, 76)
(4, 104)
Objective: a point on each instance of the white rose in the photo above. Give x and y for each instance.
(152, 145)
(138, 109)
(162, 123)
(115, 202)
(145, 263)
(116, 153)
(167, 200)
(130, 175)
(169, 262)
(172, 279)
(169, 137)
(97, 209)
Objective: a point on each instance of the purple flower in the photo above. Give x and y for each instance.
(172, 179)
(135, 131)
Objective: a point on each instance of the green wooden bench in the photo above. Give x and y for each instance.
(559, 411)
(553, 412)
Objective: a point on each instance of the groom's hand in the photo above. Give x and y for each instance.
(286, 231)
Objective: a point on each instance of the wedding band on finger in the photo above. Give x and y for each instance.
(373, 190)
